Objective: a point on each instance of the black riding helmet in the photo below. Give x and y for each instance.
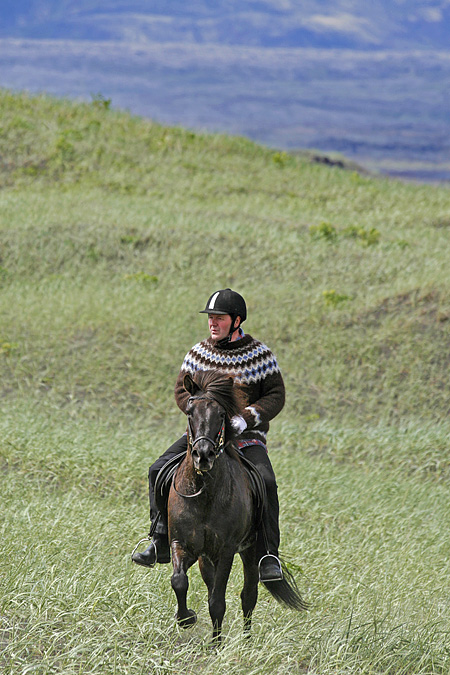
(229, 302)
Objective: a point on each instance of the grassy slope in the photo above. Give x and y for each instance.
(113, 231)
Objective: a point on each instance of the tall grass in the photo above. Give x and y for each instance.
(366, 546)
(113, 232)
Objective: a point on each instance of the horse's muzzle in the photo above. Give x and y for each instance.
(203, 458)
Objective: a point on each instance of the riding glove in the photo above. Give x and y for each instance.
(238, 423)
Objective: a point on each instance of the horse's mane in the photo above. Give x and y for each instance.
(218, 386)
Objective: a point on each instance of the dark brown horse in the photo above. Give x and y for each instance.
(211, 507)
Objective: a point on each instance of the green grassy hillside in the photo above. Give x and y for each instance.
(113, 232)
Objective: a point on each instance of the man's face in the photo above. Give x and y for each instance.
(219, 325)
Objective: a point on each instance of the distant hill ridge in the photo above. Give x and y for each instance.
(381, 24)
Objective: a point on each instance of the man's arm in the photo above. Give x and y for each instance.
(270, 403)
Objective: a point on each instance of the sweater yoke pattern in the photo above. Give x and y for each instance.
(249, 364)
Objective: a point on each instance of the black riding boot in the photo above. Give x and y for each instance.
(270, 568)
(267, 554)
(158, 551)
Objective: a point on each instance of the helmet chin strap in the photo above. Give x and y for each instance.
(225, 341)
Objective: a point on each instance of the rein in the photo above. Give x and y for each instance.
(196, 494)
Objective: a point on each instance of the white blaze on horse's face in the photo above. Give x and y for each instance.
(206, 419)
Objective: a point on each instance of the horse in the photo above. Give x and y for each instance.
(211, 509)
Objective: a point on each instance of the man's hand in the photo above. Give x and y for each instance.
(238, 423)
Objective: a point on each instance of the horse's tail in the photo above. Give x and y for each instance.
(285, 591)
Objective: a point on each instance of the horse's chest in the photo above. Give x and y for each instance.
(208, 534)
(223, 526)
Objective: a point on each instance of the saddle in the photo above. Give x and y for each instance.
(165, 476)
(164, 480)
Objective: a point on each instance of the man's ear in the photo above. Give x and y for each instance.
(190, 385)
(237, 322)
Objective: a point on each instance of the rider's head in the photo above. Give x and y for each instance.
(226, 311)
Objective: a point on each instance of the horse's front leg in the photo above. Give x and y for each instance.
(249, 594)
(216, 601)
(182, 561)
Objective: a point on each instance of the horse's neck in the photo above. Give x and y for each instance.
(214, 481)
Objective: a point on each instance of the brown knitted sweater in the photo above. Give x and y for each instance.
(255, 371)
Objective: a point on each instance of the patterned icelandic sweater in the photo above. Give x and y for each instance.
(255, 371)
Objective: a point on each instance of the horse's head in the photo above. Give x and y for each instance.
(208, 410)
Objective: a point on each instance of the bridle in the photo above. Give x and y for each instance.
(218, 445)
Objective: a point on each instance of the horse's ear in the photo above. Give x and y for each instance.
(190, 385)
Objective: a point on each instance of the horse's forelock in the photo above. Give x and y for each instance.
(219, 387)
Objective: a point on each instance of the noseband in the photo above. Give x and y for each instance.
(218, 444)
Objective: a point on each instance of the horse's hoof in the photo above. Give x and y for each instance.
(187, 621)
(215, 643)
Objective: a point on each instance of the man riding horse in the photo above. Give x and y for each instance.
(258, 377)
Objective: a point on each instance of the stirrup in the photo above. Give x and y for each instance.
(274, 558)
(141, 541)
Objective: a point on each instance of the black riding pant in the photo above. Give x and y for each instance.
(179, 446)
(269, 535)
